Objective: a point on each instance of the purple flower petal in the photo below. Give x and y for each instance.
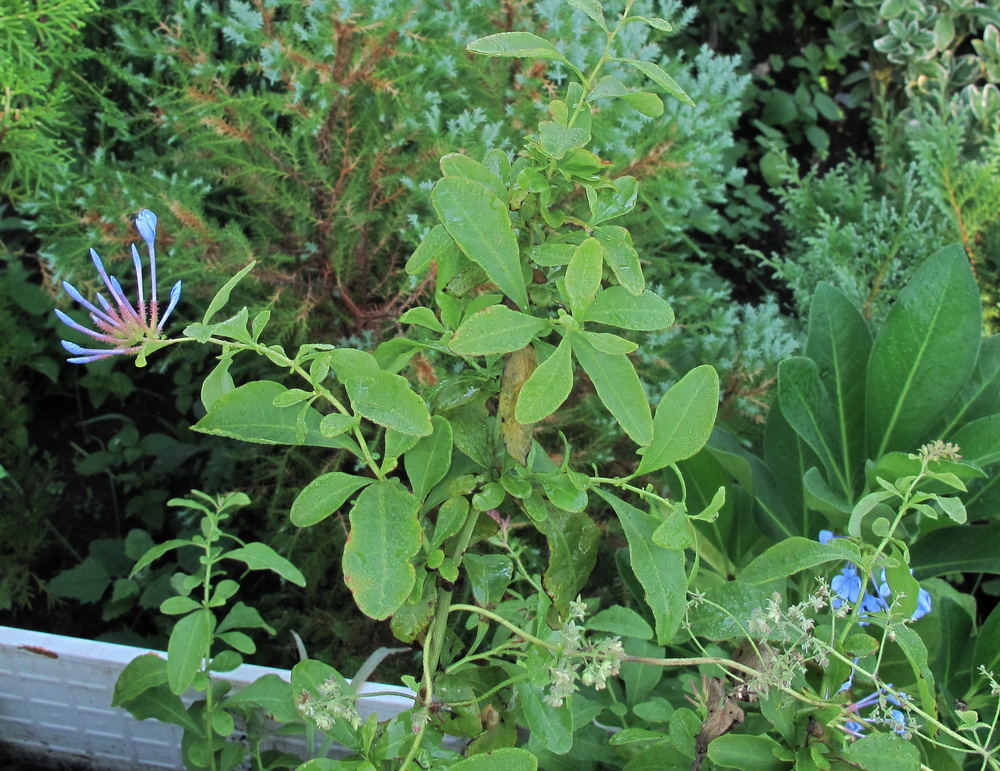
(145, 223)
(175, 295)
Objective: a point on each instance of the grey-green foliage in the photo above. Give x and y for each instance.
(306, 137)
(744, 341)
(855, 229)
(39, 47)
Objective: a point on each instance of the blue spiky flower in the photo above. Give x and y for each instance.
(125, 327)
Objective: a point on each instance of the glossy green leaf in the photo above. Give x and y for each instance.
(248, 413)
(957, 549)
(139, 675)
(423, 317)
(218, 382)
(622, 621)
(187, 648)
(980, 396)
(547, 388)
(809, 410)
(557, 140)
(741, 752)
(924, 353)
(615, 201)
(618, 387)
(160, 704)
(660, 571)
(607, 88)
(789, 459)
(621, 257)
(727, 614)
(583, 275)
(592, 8)
(684, 419)
(608, 343)
(272, 694)
(572, 539)
(645, 103)
(551, 728)
(883, 752)
(489, 575)
(618, 307)
(979, 440)
(388, 400)
(260, 556)
(323, 496)
(429, 460)
(792, 555)
(656, 74)
(458, 165)
(479, 223)
(520, 45)
(496, 330)
(385, 535)
(436, 244)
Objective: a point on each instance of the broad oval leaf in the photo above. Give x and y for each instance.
(388, 400)
(385, 536)
(621, 257)
(656, 74)
(479, 223)
(583, 275)
(429, 460)
(496, 330)
(684, 419)
(618, 307)
(924, 353)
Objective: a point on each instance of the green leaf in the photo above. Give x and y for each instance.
(496, 330)
(807, 407)
(795, 554)
(86, 582)
(138, 676)
(583, 275)
(187, 649)
(521, 45)
(618, 307)
(987, 650)
(572, 539)
(270, 693)
(655, 22)
(551, 728)
(742, 752)
(622, 257)
(385, 535)
(882, 752)
(547, 388)
(618, 387)
(660, 571)
(429, 460)
(160, 704)
(436, 244)
(645, 103)
(249, 414)
(726, 615)
(458, 165)
(423, 317)
(621, 621)
(218, 382)
(558, 140)
(479, 223)
(840, 342)
(503, 759)
(323, 496)
(925, 352)
(660, 78)
(979, 440)
(913, 648)
(957, 549)
(336, 424)
(222, 296)
(592, 8)
(260, 556)
(388, 400)
(607, 88)
(684, 419)
(608, 203)
(489, 576)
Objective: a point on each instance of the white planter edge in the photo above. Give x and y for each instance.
(55, 705)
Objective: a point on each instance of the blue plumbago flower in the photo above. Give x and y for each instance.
(846, 586)
(896, 719)
(120, 324)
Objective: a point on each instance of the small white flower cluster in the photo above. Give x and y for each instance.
(600, 660)
(332, 705)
